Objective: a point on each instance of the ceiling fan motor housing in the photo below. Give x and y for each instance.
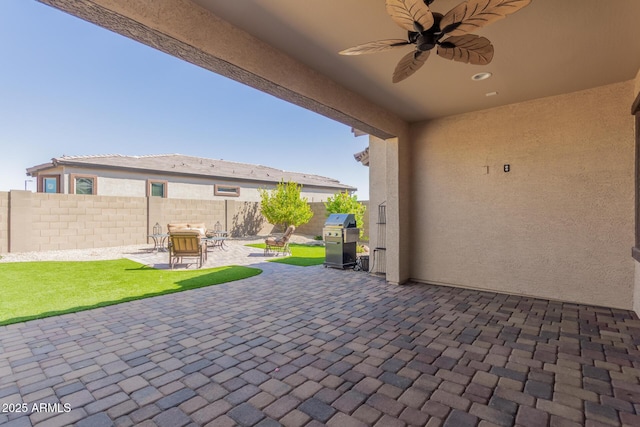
(426, 41)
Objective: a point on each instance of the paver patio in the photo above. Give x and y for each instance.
(313, 346)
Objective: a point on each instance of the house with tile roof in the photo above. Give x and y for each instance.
(172, 176)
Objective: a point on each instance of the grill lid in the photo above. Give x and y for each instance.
(341, 220)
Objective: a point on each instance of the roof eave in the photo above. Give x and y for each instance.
(35, 169)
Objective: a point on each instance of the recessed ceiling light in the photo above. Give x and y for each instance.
(491, 94)
(480, 76)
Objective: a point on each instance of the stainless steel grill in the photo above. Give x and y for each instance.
(340, 238)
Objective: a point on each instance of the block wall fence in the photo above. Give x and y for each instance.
(42, 222)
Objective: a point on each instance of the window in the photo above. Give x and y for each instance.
(156, 188)
(226, 190)
(82, 184)
(49, 184)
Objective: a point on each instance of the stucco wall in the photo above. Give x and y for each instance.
(636, 288)
(377, 198)
(636, 291)
(559, 225)
(134, 184)
(110, 186)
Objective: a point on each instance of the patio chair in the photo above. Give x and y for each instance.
(280, 244)
(186, 244)
(199, 227)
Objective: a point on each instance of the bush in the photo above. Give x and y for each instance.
(284, 205)
(346, 203)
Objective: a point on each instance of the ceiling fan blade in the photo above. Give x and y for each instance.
(409, 64)
(377, 46)
(473, 14)
(469, 48)
(407, 13)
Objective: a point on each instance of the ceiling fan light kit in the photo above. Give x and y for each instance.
(426, 30)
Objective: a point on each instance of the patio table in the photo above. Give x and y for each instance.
(216, 240)
(159, 241)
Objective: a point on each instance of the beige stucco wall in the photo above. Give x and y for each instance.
(377, 197)
(110, 186)
(134, 184)
(390, 184)
(559, 225)
(203, 189)
(636, 287)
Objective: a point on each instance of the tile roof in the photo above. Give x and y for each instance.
(178, 164)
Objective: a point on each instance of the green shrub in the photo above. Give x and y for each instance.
(346, 203)
(284, 205)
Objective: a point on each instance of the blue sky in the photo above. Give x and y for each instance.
(70, 87)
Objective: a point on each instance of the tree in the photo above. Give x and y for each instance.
(284, 205)
(346, 203)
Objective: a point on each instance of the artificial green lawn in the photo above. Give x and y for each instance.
(301, 255)
(33, 290)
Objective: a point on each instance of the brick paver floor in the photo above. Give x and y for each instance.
(313, 346)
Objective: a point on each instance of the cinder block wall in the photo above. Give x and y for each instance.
(4, 222)
(314, 227)
(42, 222)
(245, 219)
(165, 211)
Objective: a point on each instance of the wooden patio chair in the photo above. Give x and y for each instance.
(186, 244)
(280, 244)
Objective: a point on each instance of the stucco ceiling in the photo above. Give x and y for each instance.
(548, 48)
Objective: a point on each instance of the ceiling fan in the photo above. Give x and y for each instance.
(426, 30)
